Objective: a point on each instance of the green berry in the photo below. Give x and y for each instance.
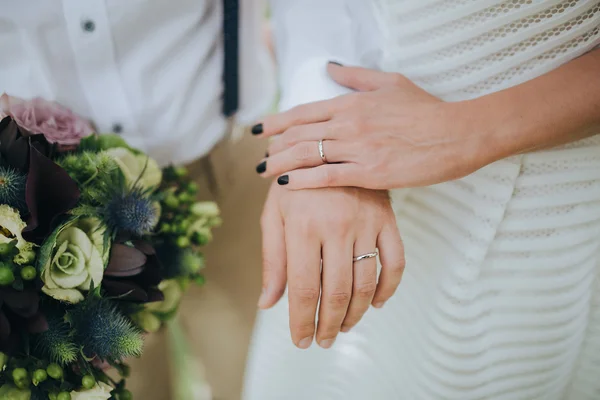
(180, 172)
(165, 228)
(183, 242)
(88, 381)
(185, 197)
(125, 395)
(28, 273)
(183, 226)
(192, 188)
(171, 201)
(6, 276)
(39, 375)
(6, 248)
(54, 371)
(63, 396)
(24, 384)
(52, 396)
(19, 374)
(200, 280)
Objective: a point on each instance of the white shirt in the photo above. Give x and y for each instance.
(310, 33)
(149, 69)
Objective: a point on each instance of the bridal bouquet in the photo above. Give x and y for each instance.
(97, 244)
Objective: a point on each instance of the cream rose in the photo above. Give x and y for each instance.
(99, 392)
(77, 260)
(137, 167)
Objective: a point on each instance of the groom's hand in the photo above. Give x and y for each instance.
(302, 227)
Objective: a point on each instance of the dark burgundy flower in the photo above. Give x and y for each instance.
(49, 191)
(16, 141)
(133, 273)
(19, 312)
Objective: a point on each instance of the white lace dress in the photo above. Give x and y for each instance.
(501, 294)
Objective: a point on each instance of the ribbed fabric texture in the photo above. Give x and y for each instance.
(501, 296)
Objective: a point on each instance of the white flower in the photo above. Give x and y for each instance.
(11, 226)
(77, 260)
(136, 167)
(99, 392)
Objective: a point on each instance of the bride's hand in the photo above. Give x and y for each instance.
(389, 134)
(300, 228)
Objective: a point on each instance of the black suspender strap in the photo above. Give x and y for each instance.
(231, 20)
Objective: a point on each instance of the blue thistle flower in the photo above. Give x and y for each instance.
(12, 188)
(104, 331)
(56, 343)
(131, 212)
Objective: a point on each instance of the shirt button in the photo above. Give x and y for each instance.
(88, 25)
(117, 128)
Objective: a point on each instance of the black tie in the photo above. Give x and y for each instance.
(231, 60)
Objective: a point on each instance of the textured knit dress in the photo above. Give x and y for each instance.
(501, 293)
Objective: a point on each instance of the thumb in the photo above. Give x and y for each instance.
(361, 79)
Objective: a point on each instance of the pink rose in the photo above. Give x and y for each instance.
(57, 123)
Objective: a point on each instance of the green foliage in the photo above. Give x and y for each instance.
(104, 331)
(57, 343)
(97, 143)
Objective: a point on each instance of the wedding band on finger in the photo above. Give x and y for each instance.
(366, 256)
(322, 152)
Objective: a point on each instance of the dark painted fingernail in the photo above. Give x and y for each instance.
(283, 180)
(335, 63)
(262, 167)
(257, 129)
(267, 154)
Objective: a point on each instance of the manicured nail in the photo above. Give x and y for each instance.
(345, 329)
(305, 343)
(335, 63)
(327, 343)
(378, 305)
(257, 129)
(283, 180)
(267, 154)
(262, 167)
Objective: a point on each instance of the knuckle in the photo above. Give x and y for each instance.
(304, 295)
(328, 176)
(303, 152)
(338, 299)
(365, 290)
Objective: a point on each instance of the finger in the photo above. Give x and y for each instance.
(364, 283)
(328, 175)
(391, 255)
(337, 288)
(328, 130)
(363, 79)
(305, 155)
(274, 256)
(304, 281)
(303, 114)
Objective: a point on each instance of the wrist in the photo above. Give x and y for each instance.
(480, 130)
(497, 126)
